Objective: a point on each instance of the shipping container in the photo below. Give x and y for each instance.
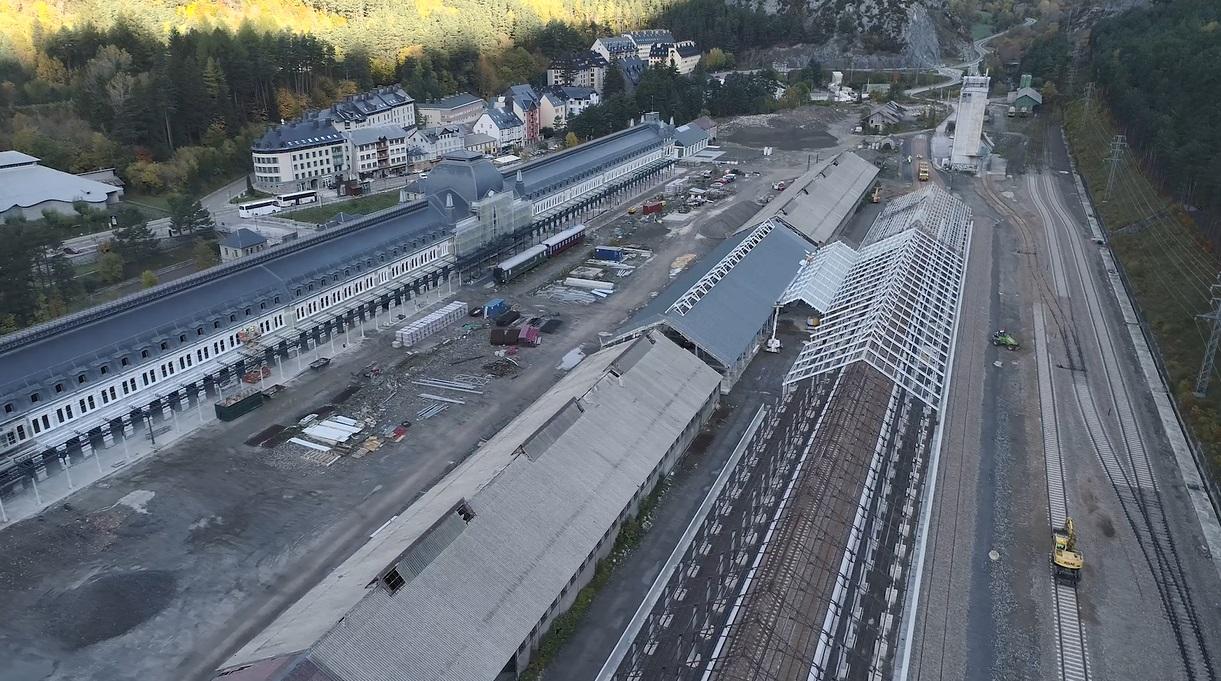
(494, 308)
(528, 336)
(507, 318)
(505, 336)
(592, 284)
(611, 253)
(238, 404)
(653, 207)
(519, 264)
(564, 240)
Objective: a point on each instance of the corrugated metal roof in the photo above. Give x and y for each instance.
(724, 320)
(536, 519)
(821, 200)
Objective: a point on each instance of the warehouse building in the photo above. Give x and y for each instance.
(721, 308)
(464, 584)
(819, 203)
(89, 377)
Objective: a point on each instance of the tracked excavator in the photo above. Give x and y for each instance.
(1065, 555)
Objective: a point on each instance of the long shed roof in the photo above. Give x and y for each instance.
(822, 199)
(543, 493)
(721, 302)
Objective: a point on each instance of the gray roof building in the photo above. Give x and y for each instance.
(651, 36)
(576, 62)
(312, 131)
(26, 188)
(357, 108)
(689, 135)
(546, 174)
(451, 102)
(362, 136)
(721, 303)
(503, 118)
(821, 201)
(472, 574)
(633, 69)
(243, 238)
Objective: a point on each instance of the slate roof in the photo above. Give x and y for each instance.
(543, 491)
(579, 61)
(525, 96)
(467, 175)
(103, 332)
(618, 45)
(243, 238)
(651, 35)
(307, 133)
(503, 119)
(577, 92)
(553, 169)
(687, 48)
(704, 122)
(689, 135)
(359, 107)
(451, 102)
(362, 136)
(725, 319)
(26, 186)
(633, 68)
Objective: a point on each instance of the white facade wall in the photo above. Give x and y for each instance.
(595, 183)
(300, 165)
(507, 137)
(60, 419)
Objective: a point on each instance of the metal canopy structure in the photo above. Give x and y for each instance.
(895, 306)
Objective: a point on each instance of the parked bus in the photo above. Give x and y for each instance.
(260, 207)
(296, 198)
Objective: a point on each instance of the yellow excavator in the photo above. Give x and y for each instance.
(1065, 555)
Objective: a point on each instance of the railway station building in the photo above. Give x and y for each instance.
(85, 379)
(463, 584)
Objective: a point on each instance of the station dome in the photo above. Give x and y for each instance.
(462, 177)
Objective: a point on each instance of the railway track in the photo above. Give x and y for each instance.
(1072, 652)
(1128, 467)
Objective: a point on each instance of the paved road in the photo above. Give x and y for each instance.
(955, 72)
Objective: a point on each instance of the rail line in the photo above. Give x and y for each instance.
(1129, 468)
(1072, 651)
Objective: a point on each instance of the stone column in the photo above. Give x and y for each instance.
(86, 445)
(166, 412)
(107, 436)
(183, 400)
(128, 429)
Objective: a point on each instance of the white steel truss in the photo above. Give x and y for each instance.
(895, 307)
(701, 288)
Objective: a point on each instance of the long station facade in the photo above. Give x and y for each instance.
(98, 374)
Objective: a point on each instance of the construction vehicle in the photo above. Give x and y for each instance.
(1065, 555)
(1002, 339)
(773, 343)
(924, 171)
(876, 196)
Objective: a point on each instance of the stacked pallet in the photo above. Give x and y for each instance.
(431, 323)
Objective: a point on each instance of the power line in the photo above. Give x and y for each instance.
(1208, 363)
(1118, 143)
